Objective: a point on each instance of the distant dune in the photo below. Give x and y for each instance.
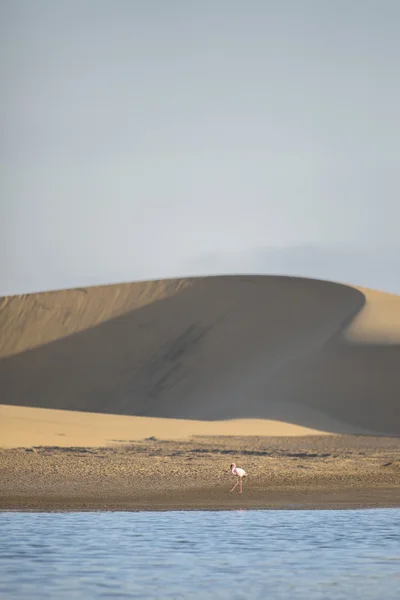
(309, 353)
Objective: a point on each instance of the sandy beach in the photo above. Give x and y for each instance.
(139, 396)
(295, 472)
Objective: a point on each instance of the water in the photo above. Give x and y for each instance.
(227, 554)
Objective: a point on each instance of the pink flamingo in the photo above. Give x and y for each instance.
(239, 474)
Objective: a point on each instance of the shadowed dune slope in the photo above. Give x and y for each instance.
(211, 348)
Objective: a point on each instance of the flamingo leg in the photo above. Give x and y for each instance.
(241, 486)
(237, 481)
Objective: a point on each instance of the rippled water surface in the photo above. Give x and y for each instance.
(227, 554)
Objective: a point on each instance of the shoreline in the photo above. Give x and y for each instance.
(369, 499)
(305, 472)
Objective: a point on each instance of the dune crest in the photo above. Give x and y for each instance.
(378, 322)
(207, 349)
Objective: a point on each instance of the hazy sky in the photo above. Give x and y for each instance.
(139, 139)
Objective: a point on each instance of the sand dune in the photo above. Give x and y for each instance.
(310, 353)
(378, 322)
(30, 427)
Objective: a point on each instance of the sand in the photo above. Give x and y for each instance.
(284, 472)
(266, 371)
(67, 460)
(27, 427)
(310, 353)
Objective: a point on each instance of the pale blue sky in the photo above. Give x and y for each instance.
(139, 139)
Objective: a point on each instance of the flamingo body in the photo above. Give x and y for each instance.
(239, 473)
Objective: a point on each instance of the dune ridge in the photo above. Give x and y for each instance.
(309, 353)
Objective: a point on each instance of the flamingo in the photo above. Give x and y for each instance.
(239, 474)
